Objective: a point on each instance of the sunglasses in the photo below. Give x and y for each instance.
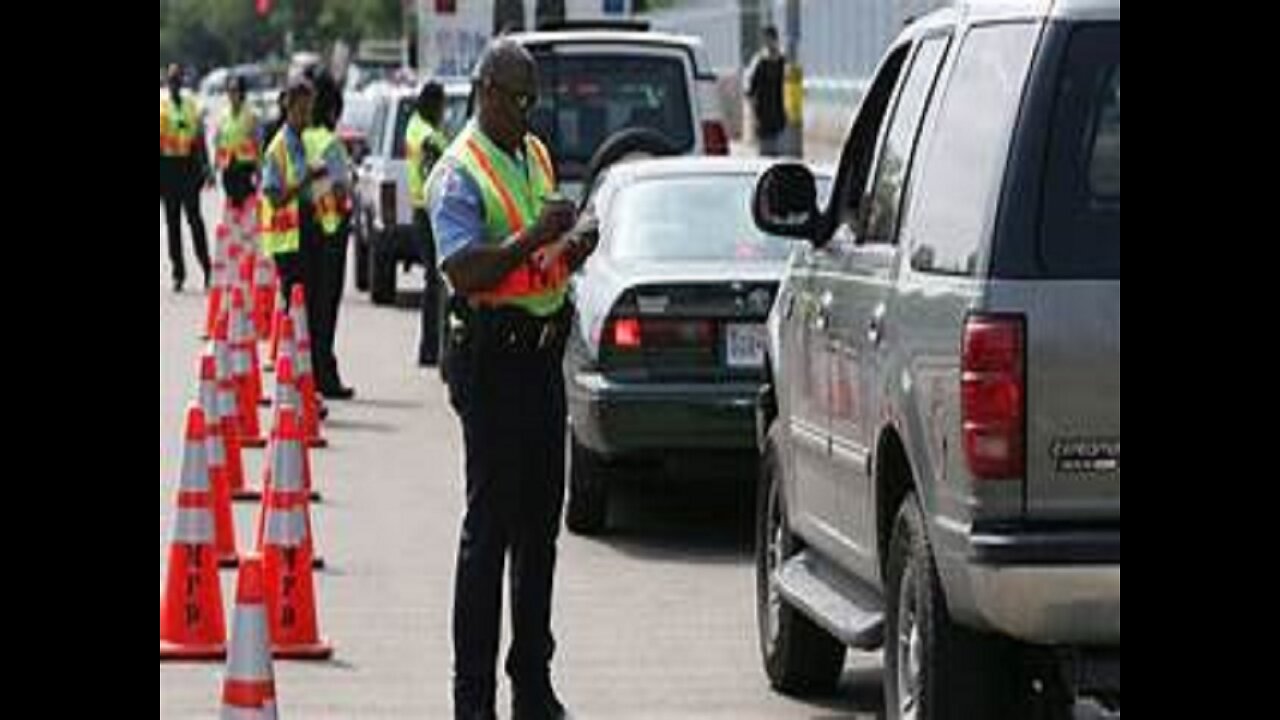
(525, 101)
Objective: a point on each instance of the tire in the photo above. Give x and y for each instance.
(362, 273)
(799, 657)
(934, 668)
(622, 145)
(382, 272)
(587, 513)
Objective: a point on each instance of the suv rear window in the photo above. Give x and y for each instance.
(584, 99)
(1080, 234)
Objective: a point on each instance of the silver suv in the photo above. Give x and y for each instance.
(941, 439)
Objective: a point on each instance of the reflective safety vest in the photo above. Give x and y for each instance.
(237, 140)
(179, 127)
(329, 206)
(281, 227)
(513, 198)
(417, 136)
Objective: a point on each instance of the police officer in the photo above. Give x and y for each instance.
(184, 168)
(424, 145)
(286, 187)
(325, 225)
(237, 143)
(507, 245)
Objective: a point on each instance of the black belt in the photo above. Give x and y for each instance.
(510, 330)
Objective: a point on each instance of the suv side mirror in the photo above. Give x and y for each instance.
(786, 202)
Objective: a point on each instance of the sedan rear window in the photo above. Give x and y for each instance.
(683, 219)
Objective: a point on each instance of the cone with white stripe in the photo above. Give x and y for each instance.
(249, 688)
(244, 365)
(305, 375)
(264, 304)
(224, 522)
(290, 462)
(288, 551)
(192, 624)
(221, 255)
(229, 412)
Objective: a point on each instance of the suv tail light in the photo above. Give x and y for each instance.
(994, 396)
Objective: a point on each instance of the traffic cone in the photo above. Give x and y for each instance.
(248, 266)
(288, 550)
(222, 244)
(249, 688)
(224, 523)
(192, 626)
(264, 305)
(243, 352)
(273, 348)
(229, 414)
(303, 368)
(286, 345)
(286, 397)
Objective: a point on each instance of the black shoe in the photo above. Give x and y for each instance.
(339, 393)
(177, 286)
(324, 412)
(542, 705)
(471, 714)
(208, 282)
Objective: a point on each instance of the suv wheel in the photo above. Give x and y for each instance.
(800, 658)
(934, 668)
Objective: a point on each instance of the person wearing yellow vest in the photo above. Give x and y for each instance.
(237, 145)
(184, 167)
(507, 245)
(286, 183)
(325, 227)
(424, 145)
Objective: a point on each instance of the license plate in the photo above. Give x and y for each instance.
(745, 345)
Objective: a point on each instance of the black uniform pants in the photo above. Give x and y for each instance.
(180, 190)
(507, 387)
(432, 296)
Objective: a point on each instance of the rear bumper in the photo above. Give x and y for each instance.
(1043, 586)
(617, 419)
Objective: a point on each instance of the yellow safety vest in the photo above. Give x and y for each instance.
(237, 140)
(513, 199)
(179, 127)
(281, 227)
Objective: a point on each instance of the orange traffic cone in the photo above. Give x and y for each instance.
(248, 265)
(288, 550)
(306, 381)
(192, 626)
(306, 377)
(249, 689)
(264, 304)
(229, 413)
(286, 397)
(273, 348)
(243, 354)
(222, 244)
(224, 523)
